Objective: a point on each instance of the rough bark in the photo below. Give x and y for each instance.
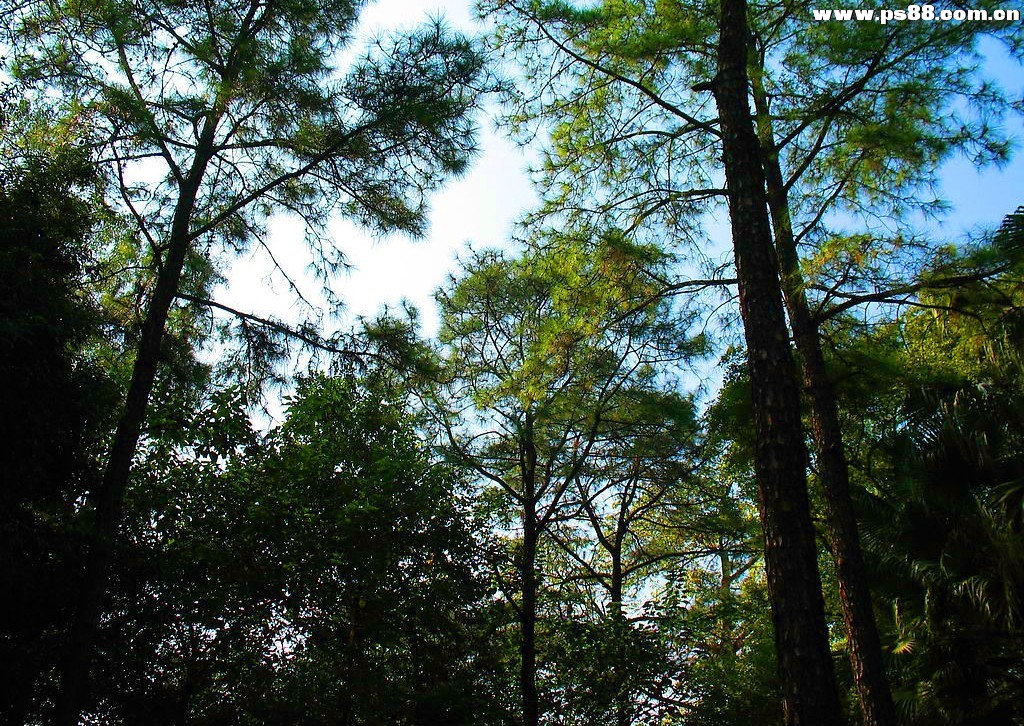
(864, 646)
(108, 500)
(805, 665)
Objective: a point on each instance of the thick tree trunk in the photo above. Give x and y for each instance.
(108, 500)
(858, 614)
(805, 664)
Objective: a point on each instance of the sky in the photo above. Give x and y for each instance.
(482, 206)
(479, 208)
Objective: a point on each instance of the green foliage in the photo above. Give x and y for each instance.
(726, 613)
(862, 116)
(560, 374)
(320, 573)
(44, 321)
(332, 569)
(205, 120)
(609, 668)
(731, 678)
(939, 451)
(55, 415)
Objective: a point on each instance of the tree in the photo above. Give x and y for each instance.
(322, 572)
(810, 696)
(56, 406)
(937, 456)
(637, 510)
(543, 352)
(734, 677)
(630, 146)
(237, 104)
(895, 152)
(612, 542)
(780, 458)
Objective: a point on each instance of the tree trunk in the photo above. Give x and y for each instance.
(622, 716)
(810, 697)
(108, 500)
(528, 619)
(528, 608)
(858, 614)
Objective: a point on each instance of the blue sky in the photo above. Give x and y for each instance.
(981, 197)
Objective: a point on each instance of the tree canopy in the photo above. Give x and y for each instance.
(726, 433)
